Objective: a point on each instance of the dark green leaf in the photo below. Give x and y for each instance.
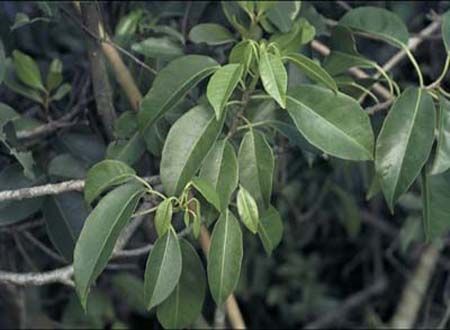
(248, 210)
(130, 288)
(128, 151)
(67, 166)
(210, 33)
(126, 125)
(442, 159)
(283, 13)
(270, 229)
(88, 147)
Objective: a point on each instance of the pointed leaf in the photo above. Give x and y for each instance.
(163, 217)
(221, 86)
(170, 86)
(334, 123)
(210, 33)
(54, 75)
(404, 142)
(270, 229)
(225, 257)
(248, 210)
(256, 165)
(27, 70)
(100, 233)
(442, 159)
(273, 76)
(104, 175)
(207, 190)
(163, 269)
(187, 144)
(184, 305)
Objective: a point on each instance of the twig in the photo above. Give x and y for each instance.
(379, 107)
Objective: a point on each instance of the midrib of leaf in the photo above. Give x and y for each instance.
(247, 209)
(255, 154)
(230, 86)
(162, 264)
(410, 129)
(334, 128)
(269, 65)
(111, 182)
(325, 80)
(224, 254)
(426, 205)
(128, 144)
(217, 176)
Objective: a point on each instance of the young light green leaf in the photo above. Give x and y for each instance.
(270, 229)
(184, 305)
(445, 29)
(103, 175)
(221, 85)
(256, 165)
(247, 209)
(170, 85)
(332, 122)
(163, 217)
(312, 70)
(404, 142)
(27, 70)
(187, 144)
(283, 13)
(54, 75)
(11, 80)
(220, 168)
(273, 76)
(207, 190)
(379, 22)
(163, 269)
(100, 233)
(163, 47)
(64, 216)
(210, 33)
(225, 257)
(441, 161)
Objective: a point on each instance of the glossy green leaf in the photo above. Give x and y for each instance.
(27, 70)
(67, 166)
(163, 47)
(163, 217)
(207, 190)
(441, 161)
(445, 29)
(54, 75)
(104, 175)
(220, 168)
(187, 144)
(184, 305)
(221, 86)
(248, 210)
(98, 237)
(301, 33)
(128, 150)
(379, 22)
(64, 216)
(436, 205)
(163, 269)
(312, 70)
(273, 76)
(210, 33)
(270, 229)
(283, 13)
(404, 142)
(169, 87)
(225, 257)
(332, 122)
(256, 165)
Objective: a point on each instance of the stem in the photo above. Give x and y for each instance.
(416, 66)
(443, 74)
(385, 75)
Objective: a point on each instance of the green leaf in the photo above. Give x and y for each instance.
(220, 168)
(187, 144)
(242, 53)
(10, 79)
(445, 28)
(436, 205)
(163, 217)
(273, 76)
(128, 151)
(27, 70)
(88, 147)
(283, 13)
(100, 233)
(270, 229)
(379, 22)
(2, 61)
(170, 86)
(62, 91)
(64, 216)
(22, 19)
(347, 211)
(441, 161)
(163, 47)
(247, 209)
(163, 269)
(332, 122)
(225, 257)
(54, 75)
(207, 190)
(130, 288)
(301, 33)
(128, 24)
(67, 166)
(256, 165)
(126, 125)
(184, 305)
(210, 33)
(104, 175)
(221, 85)
(404, 142)
(312, 70)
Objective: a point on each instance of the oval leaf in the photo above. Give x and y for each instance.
(187, 144)
(99, 235)
(163, 269)
(104, 175)
(256, 165)
(27, 70)
(334, 123)
(221, 86)
(270, 229)
(273, 76)
(441, 161)
(169, 87)
(163, 217)
(163, 47)
(248, 210)
(404, 142)
(225, 257)
(211, 34)
(184, 305)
